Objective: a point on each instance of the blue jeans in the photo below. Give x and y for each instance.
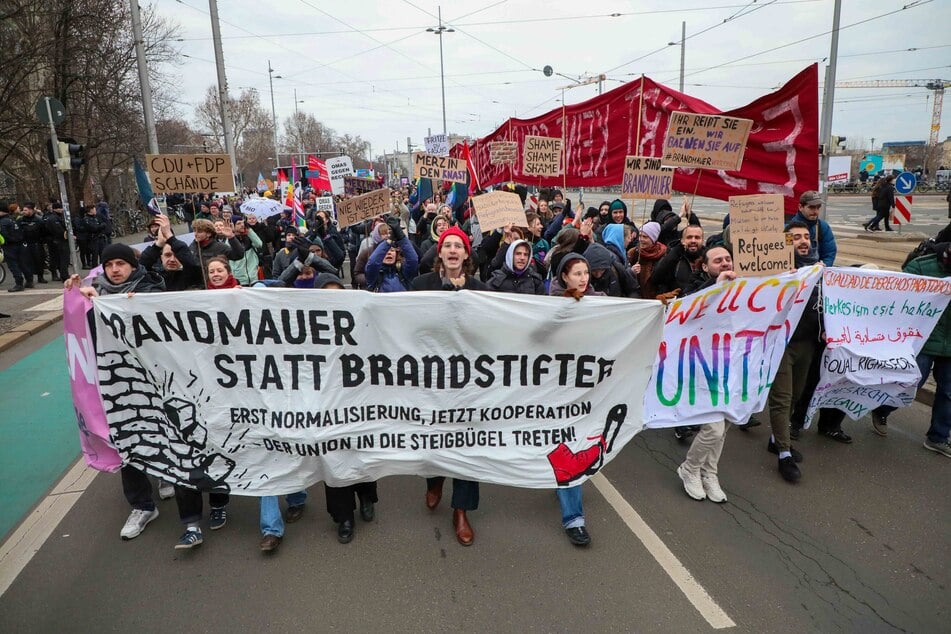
(940, 428)
(272, 522)
(941, 409)
(572, 513)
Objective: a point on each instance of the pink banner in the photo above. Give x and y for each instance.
(84, 381)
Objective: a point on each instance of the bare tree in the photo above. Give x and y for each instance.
(251, 127)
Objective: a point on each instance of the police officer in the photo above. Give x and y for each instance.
(34, 233)
(14, 247)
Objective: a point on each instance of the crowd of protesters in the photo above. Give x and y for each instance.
(436, 244)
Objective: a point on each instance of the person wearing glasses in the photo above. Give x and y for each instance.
(820, 233)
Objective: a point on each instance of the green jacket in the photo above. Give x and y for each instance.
(939, 343)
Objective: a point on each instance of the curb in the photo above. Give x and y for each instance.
(28, 328)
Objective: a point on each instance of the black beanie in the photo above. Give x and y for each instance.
(117, 251)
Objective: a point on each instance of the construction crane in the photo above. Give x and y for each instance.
(937, 85)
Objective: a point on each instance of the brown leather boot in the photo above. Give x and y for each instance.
(463, 531)
(434, 495)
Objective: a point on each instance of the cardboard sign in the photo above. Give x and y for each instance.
(443, 168)
(503, 152)
(706, 141)
(354, 186)
(541, 156)
(437, 144)
(645, 178)
(190, 173)
(353, 210)
(766, 253)
(325, 203)
(338, 167)
(497, 209)
(756, 214)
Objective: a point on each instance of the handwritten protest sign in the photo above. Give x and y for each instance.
(497, 209)
(503, 152)
(706, 141)
(353, 210)
(762, 254)
(353, 185)
(268, 391)
(338, 167)
(722, 347)
(439, 167)
(190, 173)
(876, 323)
(759, 213)
(645, 178)
(541, 156)
(437, 144)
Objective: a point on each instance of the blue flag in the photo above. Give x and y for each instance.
(143, 184)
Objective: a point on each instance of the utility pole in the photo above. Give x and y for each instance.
(144, 83)
(270, 76)
(828, 103)
(222, 85)
(439, 30)
(683, 52)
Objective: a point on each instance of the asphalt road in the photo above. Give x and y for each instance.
(860, 544)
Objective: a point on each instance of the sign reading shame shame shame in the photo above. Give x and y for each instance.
(443, 168)
(706, 141)
(645, 178)
(541, 156)
(353, 210)
(190, 173)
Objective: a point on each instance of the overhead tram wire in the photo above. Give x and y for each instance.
(910, 5)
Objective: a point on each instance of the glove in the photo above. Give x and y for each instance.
(396, 231)
(303, 248)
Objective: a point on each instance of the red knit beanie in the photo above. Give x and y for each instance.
(459, 233)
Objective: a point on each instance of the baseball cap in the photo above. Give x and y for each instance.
(810, 198)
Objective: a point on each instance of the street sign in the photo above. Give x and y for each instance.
(905, 183)
(902, 209)
(56, 108)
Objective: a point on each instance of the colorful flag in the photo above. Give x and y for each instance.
(262, 184)
(293, 201)
(473, 179)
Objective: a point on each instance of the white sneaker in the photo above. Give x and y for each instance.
(711, 486)
(692, 484)
(166, 490)
(137, 522)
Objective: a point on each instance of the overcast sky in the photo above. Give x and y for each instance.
(370, 68)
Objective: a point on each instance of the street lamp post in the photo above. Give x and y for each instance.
(439, 30)
(270, 76)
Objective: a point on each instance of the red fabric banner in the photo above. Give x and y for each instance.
(317, 174)
(782, 154)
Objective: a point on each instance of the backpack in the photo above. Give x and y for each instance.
(925, 247)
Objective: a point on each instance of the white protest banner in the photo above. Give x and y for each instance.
(190, 173)
(721, 349)
(325, 203)
(268, 391)
(645, 178)
(337, 168)
(440, 168)
(707, 141)
(437, 144)
(876, 323)
(359, 208)
(541, 156)
(497, 209)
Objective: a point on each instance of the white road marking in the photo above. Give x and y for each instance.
(677, 572)
(28, 538)
(55, 304)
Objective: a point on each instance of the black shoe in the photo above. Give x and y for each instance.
(682, 434)
(294, 513)
(42, 280)
(789, 470)
(794, 432)
(15, 289)
(28, 285)
(578, 536)
(345, 532)
(771, 447)
(366, 510)
(750, 424)
(837, 435)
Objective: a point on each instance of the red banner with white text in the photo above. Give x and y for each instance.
(782, 154)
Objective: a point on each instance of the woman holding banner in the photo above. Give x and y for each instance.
(453, 271)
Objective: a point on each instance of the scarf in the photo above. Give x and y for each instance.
(130, 285)
(654, 252)
(807, 260)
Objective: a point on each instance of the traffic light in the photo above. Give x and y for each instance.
(838, 141)
(70, 155)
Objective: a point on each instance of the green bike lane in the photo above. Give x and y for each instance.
(38, 434)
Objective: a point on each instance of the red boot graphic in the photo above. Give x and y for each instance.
(568, 465)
